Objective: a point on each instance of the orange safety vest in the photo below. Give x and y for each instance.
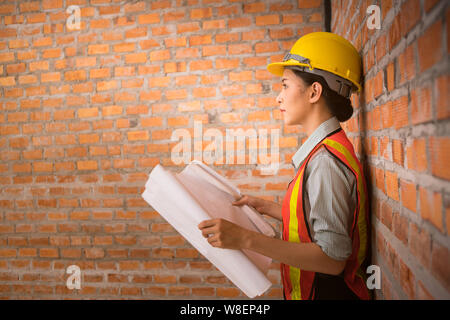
(299, 284)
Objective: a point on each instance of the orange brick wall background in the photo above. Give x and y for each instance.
(87, 114)
(403, 121)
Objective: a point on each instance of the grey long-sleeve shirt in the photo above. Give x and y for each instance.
(330, 195)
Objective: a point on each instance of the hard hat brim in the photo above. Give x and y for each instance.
(277, 68)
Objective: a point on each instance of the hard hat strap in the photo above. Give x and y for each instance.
(300, 59)
(338, 84)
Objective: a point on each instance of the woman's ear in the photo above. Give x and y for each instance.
(315, 92)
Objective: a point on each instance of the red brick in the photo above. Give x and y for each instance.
(87, 165)
(254, 7)
(400, 110)
(395, 32)
(429, 45)
(109, 10)
(381, 47)
(443, 97)
(188, 27)
(429, 4)
(397, 151)
(201, 13)
(15, 68)
(227, 63)
(38, 65)
(420, 244)
(52, 4)
(98, 49)
(48, 253)
(421, 105)
(406, 63)
(416, 155)
(136, 32)
(386, 115)
(148, 18)
(407, 280)
(212, 50)
(392, 261)
(410, 14)
(135, 7)
(379, 179)
(239, 22)
(241, 48)
(409, 195)
(302, 4)
(392, 189)
(440, 262)
(94, 253)
(100, 23)
(36, 18)
(227, 292)
(431, 207)
(440, 157)
(161, 55)
(7, 253)
(76, 75)
(29, 6)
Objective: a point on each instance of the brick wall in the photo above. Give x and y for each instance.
(401, 128)
(86, 114)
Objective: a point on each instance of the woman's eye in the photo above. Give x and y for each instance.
(284, 86)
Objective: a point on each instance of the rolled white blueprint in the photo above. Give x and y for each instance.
(167, 193)
(201, 170)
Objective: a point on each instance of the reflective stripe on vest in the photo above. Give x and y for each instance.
(356, 168)
(298, 283)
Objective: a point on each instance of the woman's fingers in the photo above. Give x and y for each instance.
(207, 223)
(221, 233)
(210, 230)
(206, 232)
(209, 227)
(250, 201)
(215, 241)
(243, 200)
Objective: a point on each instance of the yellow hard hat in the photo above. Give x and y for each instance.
(325, 54)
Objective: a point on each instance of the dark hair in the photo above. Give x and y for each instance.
(338, 105)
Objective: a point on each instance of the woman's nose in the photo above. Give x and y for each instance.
(279, 98)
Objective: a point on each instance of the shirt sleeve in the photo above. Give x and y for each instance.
(331, 197)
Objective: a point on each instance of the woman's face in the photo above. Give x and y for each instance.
(293, 99)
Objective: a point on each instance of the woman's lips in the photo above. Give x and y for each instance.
(282, 110)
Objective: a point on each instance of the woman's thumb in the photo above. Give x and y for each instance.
(240, 201)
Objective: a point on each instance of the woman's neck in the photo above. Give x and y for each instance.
(315, 120)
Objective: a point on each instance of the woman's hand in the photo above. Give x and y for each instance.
(222, 233)
(270, 208)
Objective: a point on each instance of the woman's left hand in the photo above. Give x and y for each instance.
(222, 233)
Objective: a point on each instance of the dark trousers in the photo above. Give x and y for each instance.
(329, 287)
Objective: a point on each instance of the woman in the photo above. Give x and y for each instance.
(324, 212)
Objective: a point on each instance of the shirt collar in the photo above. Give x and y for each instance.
(318, 135)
